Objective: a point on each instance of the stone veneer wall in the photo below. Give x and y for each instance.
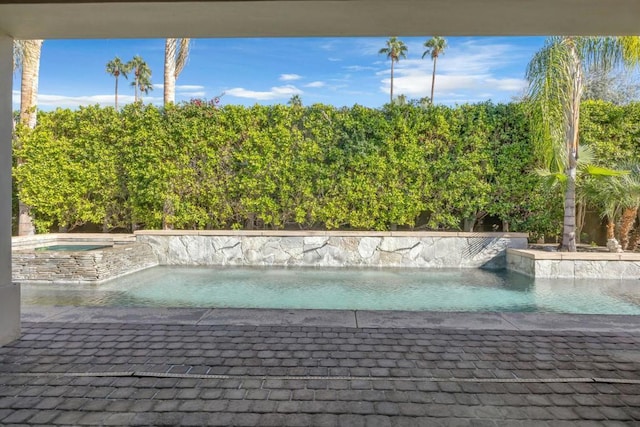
(123, 257)
(578, 265)
(333, 249)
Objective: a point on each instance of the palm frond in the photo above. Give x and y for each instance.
(548, 80)
(631, 50)
(182, 56)
(601, 171)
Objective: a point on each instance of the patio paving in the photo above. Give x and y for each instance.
(78, 366)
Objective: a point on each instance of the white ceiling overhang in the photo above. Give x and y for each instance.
(267, 18)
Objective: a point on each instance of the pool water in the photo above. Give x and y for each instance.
(356, 289)
(71, 247)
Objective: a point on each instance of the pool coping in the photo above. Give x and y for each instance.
(504, 321)
(328, 233)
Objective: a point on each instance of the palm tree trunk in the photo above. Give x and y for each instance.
(572, 115)
(433, 77)
(626, 225)
(116, 92)
(28, 116)
(391, 96)
(569, 226)
(634, 241)
(611, 228)
(29, 83)
(135, 88)
(170, 70)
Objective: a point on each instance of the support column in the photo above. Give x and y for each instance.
(9, 293)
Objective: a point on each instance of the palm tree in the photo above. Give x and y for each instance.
(435, 47)
(142, 74)
(395, 49)
(556, 84)
(27, 57)
(295, 101)
(176, 53)
(117, 68)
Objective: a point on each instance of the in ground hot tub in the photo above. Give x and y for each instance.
(78, 258)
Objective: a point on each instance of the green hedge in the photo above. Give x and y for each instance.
(195, 166)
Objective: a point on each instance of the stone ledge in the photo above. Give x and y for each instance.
(333, 249)
(30, 242)
(329, 233)
(574, 265)
(574, 256)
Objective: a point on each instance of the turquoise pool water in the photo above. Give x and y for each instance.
(358, 289)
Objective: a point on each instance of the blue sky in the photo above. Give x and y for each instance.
(338, 71)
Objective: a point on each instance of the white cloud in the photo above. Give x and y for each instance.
(476, 56)
(189, 87)
(331, 59)
(50, 101)
(74, 101)
(510, 85)
(276, 92)
(315, 84)
(417, 83)
(289, 77)
(469, 73)
(330, 45)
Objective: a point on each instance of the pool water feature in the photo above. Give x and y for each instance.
(355, 289)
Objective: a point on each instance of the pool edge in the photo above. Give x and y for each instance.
(361, 319)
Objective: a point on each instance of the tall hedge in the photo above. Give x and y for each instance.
(197, 166)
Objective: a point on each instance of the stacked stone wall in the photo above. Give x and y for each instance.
(334, 249)
(94, 266)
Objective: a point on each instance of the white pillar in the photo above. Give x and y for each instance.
(9, 293)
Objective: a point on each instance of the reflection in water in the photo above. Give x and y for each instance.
(373, 289)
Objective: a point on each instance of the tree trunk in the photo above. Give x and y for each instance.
(634, 241)
(170, 71)
(29, 83)
(28, 116)
(626, 225)
(391, 96)
(135, 88)
(116, 92)
(167, 211)
(611, 228)
(569, 226)
(581, 212)
(433, 77)
(572, 116)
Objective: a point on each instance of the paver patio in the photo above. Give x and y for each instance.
(210, 367)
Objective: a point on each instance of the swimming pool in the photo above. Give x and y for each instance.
(356, 289)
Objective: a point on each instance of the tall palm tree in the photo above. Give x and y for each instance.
(142, 74)
(556, 84)
(394, 49)
(176, 53)
(117, 68)
(27, 57)
(435, 47)
(31, 50)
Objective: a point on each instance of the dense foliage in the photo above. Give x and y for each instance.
(198, 166)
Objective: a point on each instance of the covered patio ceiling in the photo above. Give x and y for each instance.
(59, 19)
